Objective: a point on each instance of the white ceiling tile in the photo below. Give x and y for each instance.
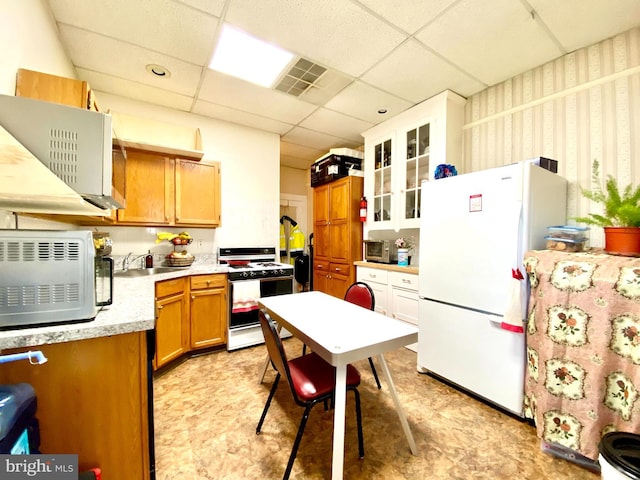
(126, 88)
(165, 26)
(296, 150)
(242, 118)
(91, 51)
(336, 124)
(409, 15)
(313, 139)
(567, 19)
(363, 101)
(334, 33)
(421, 74)
(214, 7)
(225, 90)
(494, 49)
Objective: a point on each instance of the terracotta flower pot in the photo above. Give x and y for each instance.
(622, 241)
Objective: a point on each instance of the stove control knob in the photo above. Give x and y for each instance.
(244, 274)
(253, 274)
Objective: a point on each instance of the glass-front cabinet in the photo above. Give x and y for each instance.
(382, 211)
(404, 151)
(416, 168)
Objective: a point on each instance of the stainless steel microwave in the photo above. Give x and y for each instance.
(381, 251)
(46, 277)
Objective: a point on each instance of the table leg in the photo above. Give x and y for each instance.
(339, 422)
(399, 409)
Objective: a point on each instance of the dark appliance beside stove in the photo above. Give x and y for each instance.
(253, 274)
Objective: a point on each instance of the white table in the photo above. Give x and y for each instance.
(342, 333)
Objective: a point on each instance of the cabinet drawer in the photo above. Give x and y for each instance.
(208, 281)
(404, 280)
(340, 268)
(374, 275)
(321, 266)
(170, 287)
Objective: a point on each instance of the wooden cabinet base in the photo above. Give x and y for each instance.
(92, 401)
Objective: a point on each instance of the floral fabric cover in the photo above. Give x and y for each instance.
(583, 347)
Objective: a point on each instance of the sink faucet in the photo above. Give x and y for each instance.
(127, 260)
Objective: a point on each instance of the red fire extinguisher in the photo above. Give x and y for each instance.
(363, 209)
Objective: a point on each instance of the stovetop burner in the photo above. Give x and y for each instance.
(262, 263)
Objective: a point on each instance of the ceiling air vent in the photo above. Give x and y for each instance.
(301, 76)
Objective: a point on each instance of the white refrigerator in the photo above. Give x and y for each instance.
(475, 228)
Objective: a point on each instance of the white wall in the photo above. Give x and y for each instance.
(580, 107)
(249, 158)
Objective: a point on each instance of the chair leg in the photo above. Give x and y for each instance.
(359, 423)
(296, 444)
(266, 407)
(375, 373)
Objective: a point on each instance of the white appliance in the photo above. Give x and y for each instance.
(475, 228)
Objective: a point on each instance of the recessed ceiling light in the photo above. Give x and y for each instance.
(246, 57)
(158, 70)
(382, 111)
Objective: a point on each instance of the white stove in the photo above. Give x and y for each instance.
(258, 275)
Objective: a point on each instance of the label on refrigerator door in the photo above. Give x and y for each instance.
(475, 203)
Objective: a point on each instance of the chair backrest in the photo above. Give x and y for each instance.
(274, 344)
(361, 294)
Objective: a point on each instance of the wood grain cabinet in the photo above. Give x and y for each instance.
(337, 234)
(208, 309)
(172, 321)
(162, 190)
(52, 88)
(92, 401)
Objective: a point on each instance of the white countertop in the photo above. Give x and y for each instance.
(390, 267)
(133, 310)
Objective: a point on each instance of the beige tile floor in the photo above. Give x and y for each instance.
(207, 408)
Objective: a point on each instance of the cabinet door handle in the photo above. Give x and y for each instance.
(372, 275)
(160, 307)
(193, 297)
(208, 282)
(338, 269)
(404, 280)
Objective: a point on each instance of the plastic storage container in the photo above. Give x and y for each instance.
(565, 244)
(569, 232)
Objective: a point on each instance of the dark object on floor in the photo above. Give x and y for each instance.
(311, 380)
(19, 428)
(301, 270)
(620, 455)
(93, 474)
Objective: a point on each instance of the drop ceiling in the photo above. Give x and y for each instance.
(389, 54)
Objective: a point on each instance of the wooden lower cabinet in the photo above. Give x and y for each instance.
(208, 310)
(92, 401)
(191, 313)
(332, 278)
(172, 321)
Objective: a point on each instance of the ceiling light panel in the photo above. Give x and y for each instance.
(249, 58)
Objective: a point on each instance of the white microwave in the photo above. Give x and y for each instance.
(381, 251)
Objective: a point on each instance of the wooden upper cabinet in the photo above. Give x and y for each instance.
(148, 189)
(162, 190)
(52, 88)
(197, 193)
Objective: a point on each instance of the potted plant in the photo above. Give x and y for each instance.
(621, 216)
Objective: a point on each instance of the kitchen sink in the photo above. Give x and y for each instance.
(143, 272)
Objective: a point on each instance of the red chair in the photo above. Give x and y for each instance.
(311, 380)
(361, 294)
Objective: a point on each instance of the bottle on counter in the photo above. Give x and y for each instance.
(148, 260)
